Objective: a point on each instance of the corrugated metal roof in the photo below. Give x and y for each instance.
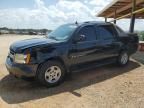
(122, 7)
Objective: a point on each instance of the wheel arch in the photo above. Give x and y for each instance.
(58, 59)
(124, 48)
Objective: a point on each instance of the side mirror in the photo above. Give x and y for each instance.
(80, 38)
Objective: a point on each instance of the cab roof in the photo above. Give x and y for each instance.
(91, 23)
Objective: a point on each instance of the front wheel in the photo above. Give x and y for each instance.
(51, 73)
(123, 58)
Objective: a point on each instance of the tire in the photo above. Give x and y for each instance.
(123, 58)
(51, 73)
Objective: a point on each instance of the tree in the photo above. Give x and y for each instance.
(142, 36)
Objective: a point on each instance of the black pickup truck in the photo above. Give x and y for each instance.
(69, 48)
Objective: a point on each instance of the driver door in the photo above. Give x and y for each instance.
(84, 47)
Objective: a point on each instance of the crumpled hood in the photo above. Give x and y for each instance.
(30, 43)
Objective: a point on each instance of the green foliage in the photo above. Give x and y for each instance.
(141, 34)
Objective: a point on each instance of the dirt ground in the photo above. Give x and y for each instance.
(104, 87)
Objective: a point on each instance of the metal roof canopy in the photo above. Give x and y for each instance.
(119, 9)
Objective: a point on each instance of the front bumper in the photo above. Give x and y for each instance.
(21, 70)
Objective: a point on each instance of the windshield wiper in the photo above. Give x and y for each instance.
(52, 37)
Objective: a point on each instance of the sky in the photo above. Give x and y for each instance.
(50, 14)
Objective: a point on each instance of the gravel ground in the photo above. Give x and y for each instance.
(104, 87)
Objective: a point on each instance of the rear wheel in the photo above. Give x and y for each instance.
(123, 58)
(51, 73)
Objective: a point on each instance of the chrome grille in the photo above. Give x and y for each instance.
(11, 55)
(12, 52)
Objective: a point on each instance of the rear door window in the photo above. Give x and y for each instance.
(105, 32)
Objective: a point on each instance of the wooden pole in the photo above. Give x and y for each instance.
(115, 16)
(132, 23)
(105, 19)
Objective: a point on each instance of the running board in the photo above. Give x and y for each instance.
(88, 66)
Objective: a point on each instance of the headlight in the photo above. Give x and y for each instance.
(22, 58)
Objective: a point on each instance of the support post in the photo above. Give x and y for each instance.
(114, 21)
(115, 17)
(132, 23)
(105, 19)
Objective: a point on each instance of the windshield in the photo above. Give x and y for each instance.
(62, 33)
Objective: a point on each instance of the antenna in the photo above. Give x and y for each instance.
(76, 22)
